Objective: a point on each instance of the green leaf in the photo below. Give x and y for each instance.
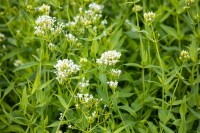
(7, 90)
(9, 55)
(128, 109)
(120, 129)
(14, 128)
(182, 128)
(54, 124)
(94, 48)
(45, 84)
(62, 101)
(167, 129)
(103, 79)
(24, 66)
(197, 114)
(164, 115)
(102, 95)
(183, 107)
(24, 100)
(133, 64)
(152, 127)
(169, 30)
(125, 94)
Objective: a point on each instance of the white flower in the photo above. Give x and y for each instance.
(184, 55)
(149, 17)
(71, 24)
(70, 126)
(115, 72)
(137, 8)
(71, 38)
(2, 37)
(109, 58)
(17, 63)
(113, 84)
(94, 114)
(51, 46)
(83, 84)
(95, 7)
(44, 24)
(44, 9)
(65, 68)
(104, 22)
(189, 2)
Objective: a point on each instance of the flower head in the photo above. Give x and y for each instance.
(184, 55)
(64, 69)
(189, 2)
(45, 9)
(137, 8)
(2, 37)
(17, 63)
(44, 24)
(149, 17)
(109, 58)
(113, 84)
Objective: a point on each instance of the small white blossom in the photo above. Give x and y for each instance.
(71, 24)
(115, 72)
(104, 22)
(70, 126)
(184, 55)
(17, 63)
(95, 7)
(71, 38)
(149, 17)
(2, 37)
(113, 84)
(45, 9)
(64, 69)
(83, 84)
(51, 46)
(94, 114)
(109, 58)
(61, 115)
(137, 8)
(189, 2)
(83, 61)
(44, 24)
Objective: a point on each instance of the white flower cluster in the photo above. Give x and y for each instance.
(184, 55)
(92, 117)
(71, 38)
(2, 37)
(65, 68)
(17, 63)
(189, 2)
(46, 24)
(87, 18)
(149, 17)
(45, 9)
(51, 46)
(86, 98)
(137, 8)
(43, 24)
(115, 72)
(113, 84)
(61, 116)
(83, 84)
(109, 58)
(83, 61)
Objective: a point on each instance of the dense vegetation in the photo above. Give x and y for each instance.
(102, 66)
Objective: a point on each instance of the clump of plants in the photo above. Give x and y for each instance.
(99, 66)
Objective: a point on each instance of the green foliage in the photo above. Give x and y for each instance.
(112, 67)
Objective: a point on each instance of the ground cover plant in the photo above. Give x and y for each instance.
(99, 66)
